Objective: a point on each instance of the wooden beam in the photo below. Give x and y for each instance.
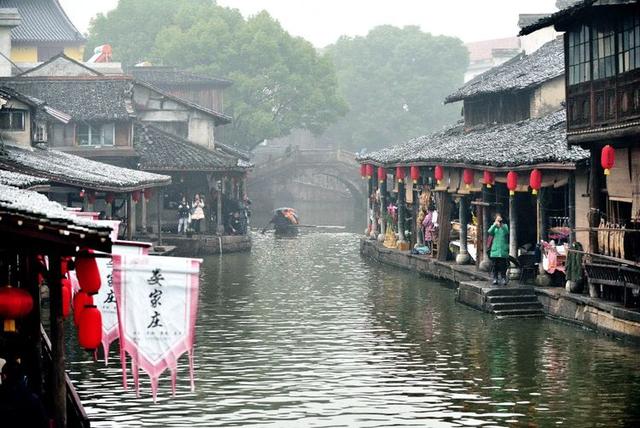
(58, 390)
(444, 215)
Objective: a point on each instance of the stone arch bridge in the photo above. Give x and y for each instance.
(305, 175)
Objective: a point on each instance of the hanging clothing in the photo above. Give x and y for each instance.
(574, 263)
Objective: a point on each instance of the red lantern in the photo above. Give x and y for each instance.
(88, 273)
(415, 174)
(108, 198)
(439, 173)
(148, 192)
(400, 174)
(488, 179)
(135, 195)
(512, 182)
(608, 159)
(382, 174)
(90, 328)
(80, 301)
(66, 297)
(14, 303)
(91, 196)
(467, 177)
(535, 181)
(363, 171)
(369, 171)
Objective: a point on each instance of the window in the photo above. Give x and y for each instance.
(629, 44)
(579, 56)
(40, 133)
(12, 120)
(95, 135)
(603, 43)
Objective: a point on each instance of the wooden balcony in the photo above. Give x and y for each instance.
(604, 109)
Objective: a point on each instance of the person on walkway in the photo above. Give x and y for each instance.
(198, 212)
(499, 251)
(428, 227)
(184, 210)
(235, 223)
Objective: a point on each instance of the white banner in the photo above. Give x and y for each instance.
(157, 301)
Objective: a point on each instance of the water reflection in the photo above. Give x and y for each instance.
(303, 332)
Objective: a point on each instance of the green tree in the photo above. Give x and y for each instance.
(395, 81)
(280, 82)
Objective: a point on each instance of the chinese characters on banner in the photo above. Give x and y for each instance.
(157, 302)
(105, 299)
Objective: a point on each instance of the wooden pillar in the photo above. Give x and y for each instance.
(541, 214)
(514, 272)
(463, 257)
(416, 236)
(31, 325)
(401, 210)
(159, 209)
(219, 225)
(444, 215)
(485, 264)
(130, 217)
(572, 206)
(57, 388)
(383, 209)
(367, 210)
(143, 213)
(595, 189)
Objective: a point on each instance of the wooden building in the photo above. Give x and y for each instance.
(513, 124)
(44, 30)
(32, 227)
(602, 61)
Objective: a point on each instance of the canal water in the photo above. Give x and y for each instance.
(305, 333)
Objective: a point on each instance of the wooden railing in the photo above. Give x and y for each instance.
(76, 415)
(604, 103)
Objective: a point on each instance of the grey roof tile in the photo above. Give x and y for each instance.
(530, 142)
(165, 77)
(519, 73)
(22, 181)
(42, 21)
(65, 168)
(163, 151)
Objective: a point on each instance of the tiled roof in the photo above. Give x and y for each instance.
(571, 8)
(163, 151)
(37, 216)
(84, 98)
(521, 72)
(65, 168)
(42, 21)
(526, 19)
(219, 118)
(166, 77)
(233, 151)
(19, 180)
(530, 142)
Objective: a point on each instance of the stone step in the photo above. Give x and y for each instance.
(513, 313)
(497, 307)
(510, 291)
(512, 299)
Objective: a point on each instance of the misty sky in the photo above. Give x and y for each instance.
(323, 21)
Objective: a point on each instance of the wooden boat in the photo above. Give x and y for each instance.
(285, 222)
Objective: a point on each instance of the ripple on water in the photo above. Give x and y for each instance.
(304, 332)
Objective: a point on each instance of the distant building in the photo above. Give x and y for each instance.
(43, 32)
(486, 54)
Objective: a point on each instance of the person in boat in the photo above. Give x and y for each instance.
(282, 219)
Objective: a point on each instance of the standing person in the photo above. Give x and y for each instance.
(198, 212)
(428, 227)
(19, 406)
(499, 252)
(183, 215)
